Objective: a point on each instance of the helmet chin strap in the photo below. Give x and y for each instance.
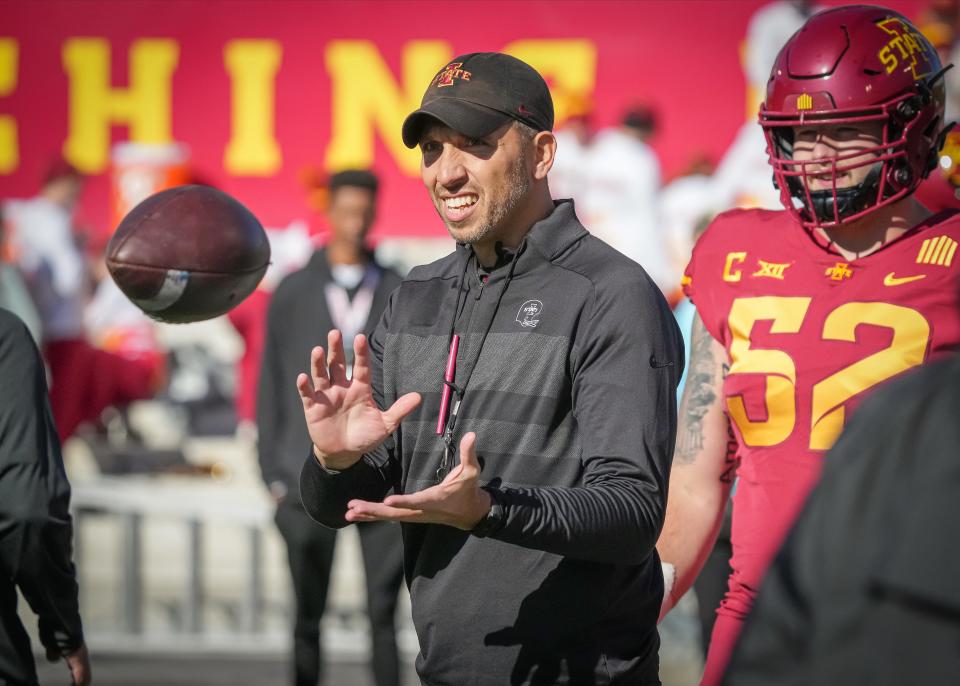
(847, 201)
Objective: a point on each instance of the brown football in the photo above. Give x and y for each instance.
(188, 253)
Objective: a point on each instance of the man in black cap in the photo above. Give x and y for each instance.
(534, 372)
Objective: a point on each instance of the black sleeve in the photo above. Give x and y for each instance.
(626, 364)
(271, 418)
(325, 493)
(36, 530)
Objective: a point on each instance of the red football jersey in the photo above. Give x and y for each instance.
(808, 334)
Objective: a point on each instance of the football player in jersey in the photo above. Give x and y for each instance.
(802, 312)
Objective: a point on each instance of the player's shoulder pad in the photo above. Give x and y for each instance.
(947, 221)
(735, 229)
(742, 223)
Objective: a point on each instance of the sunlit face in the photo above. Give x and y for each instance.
(351, 213)
(827, 142)
(476, 184)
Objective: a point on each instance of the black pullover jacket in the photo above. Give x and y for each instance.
(573, 399)
(36, 530)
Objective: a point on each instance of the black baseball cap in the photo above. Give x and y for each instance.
(479, 92)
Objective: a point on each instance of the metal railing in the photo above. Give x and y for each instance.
(135, 500)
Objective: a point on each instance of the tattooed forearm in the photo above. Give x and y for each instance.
(698, 394)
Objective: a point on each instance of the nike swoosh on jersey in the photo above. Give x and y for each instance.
(891, 280)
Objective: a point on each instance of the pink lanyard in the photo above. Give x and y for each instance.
(448, 378)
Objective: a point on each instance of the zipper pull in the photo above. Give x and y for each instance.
(482, 281)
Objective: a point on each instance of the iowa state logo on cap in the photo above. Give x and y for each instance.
(446, 76)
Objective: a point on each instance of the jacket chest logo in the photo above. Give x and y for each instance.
(529, 314)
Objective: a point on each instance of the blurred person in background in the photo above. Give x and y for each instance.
(114, 325)
(84, 380)
(768, 30)
(742, 177)
(619, 203)
(801, 313)
(864, 590)
(568, 176)
(342, 286)
(47, 250)
(290, 249)
(249, 318)
(684, 205)
(685, 311)
(36, 531)
(940, 23)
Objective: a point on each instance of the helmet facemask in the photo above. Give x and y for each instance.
(891, 177)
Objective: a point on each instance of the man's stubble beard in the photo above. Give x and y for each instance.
(518, 183)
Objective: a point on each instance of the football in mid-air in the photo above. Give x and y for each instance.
(188, 253)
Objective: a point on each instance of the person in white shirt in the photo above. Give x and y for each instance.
(619, 204)
(43, 241)
(84, 380)
(568, 175)
(743, 178)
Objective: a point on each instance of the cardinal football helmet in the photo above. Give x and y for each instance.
(849, 65)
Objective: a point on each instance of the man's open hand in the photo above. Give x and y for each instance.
(343, 420)
(456, 501)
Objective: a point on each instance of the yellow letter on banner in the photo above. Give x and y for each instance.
(144, 106)
(568, 65)
(9, 150)
(252, 65)
(365, 96)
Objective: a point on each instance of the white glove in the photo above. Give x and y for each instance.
(669, 578)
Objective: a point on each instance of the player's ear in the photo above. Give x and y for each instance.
(545, 151)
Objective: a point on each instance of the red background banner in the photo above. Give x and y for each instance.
(262, 91)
